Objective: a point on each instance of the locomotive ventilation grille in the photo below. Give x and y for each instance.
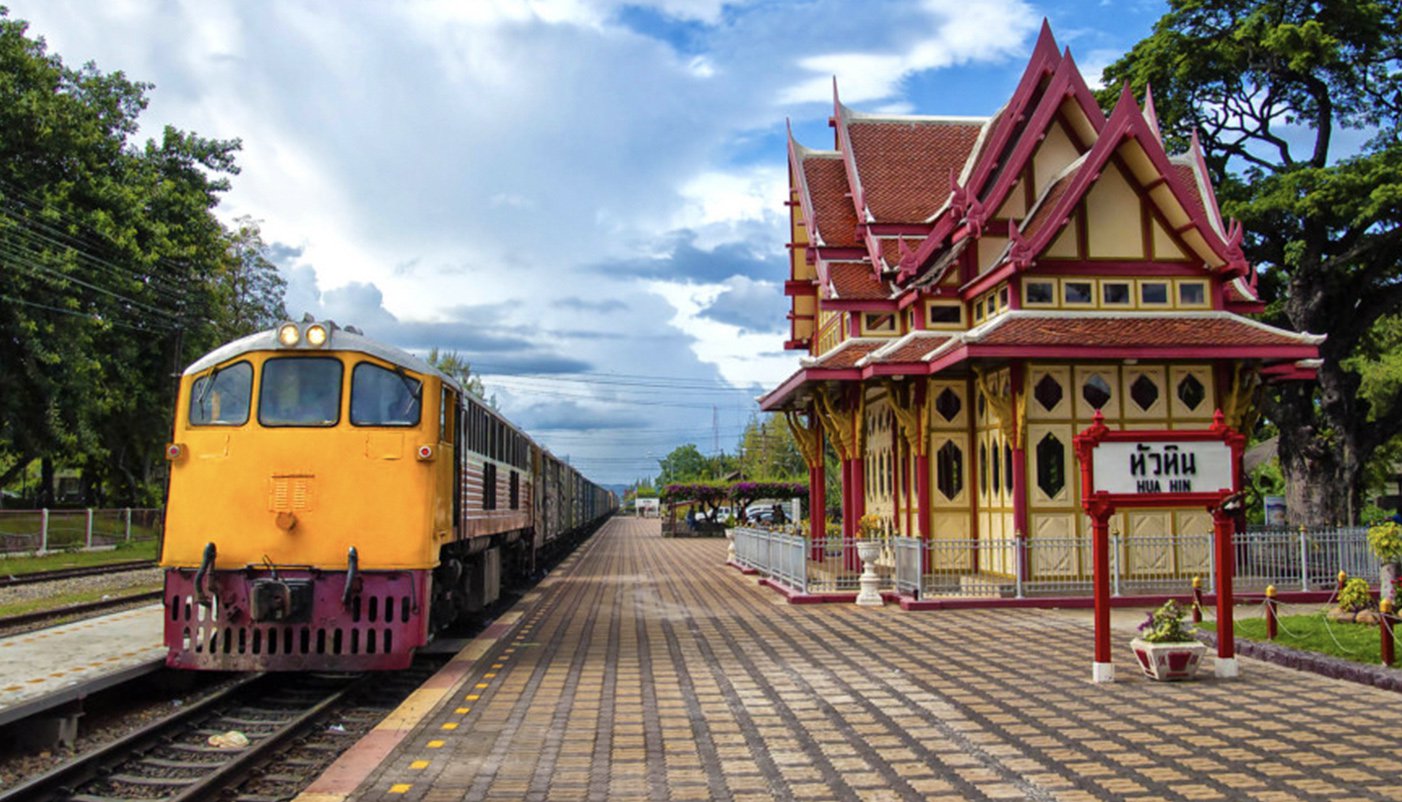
(369, 628)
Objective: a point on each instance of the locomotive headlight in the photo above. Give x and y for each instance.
(425, 453)
(174, 451)
(288, 335)
(316, 336)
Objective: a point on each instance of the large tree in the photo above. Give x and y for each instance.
(112, 259)
(1297, 107)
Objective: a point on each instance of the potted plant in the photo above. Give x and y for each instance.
(1166, 647)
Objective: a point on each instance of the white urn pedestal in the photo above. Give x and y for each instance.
(730, 546)
(869, 596)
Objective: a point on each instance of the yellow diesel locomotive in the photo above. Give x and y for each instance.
(335, 501)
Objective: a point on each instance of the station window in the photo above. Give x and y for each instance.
(381, 397)
(220, 397)
(1051, 465)
(1153, 293)
(1116, 293)
(944, 315)
(1192, 293)
(300, 391)
(878, 324)
(1039, 293)
(949, 470)
(1078, 293)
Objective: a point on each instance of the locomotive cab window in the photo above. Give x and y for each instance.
(220, 398)
(300, 391)
(381, 397)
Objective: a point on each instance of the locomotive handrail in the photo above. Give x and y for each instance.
(352, 568)
(206, 565)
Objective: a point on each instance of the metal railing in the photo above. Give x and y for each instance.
(1050, 567)
(42, 531)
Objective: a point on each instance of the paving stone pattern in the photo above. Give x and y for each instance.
(649, 670)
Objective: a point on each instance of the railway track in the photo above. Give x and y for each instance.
(74, 573)
(39, 616)
(173, 759)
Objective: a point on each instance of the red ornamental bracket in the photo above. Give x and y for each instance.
(1160, 468)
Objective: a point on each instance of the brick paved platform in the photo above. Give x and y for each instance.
(645, 669)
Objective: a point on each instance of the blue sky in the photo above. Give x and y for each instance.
(583, 197)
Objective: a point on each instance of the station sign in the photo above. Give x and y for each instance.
(1162, 467)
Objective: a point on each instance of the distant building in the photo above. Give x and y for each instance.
(968, 292)
(648, 507)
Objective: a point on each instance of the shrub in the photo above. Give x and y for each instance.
(1356, 595)
(1165, 625)
(1386, 541)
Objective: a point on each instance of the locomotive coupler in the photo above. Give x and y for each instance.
(352, 576)
(288, 600)
(203, 597)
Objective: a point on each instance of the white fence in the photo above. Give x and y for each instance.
(1050, 567)
(41, 531)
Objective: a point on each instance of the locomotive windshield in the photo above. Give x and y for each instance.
(381, 397)
(300, 391)
(221, 397)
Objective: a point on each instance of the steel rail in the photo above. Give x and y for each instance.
(74, 573)
(77, 609)
(105, 763)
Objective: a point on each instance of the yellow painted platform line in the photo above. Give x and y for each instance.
(462, 711)
(400, 788)
(435, 744)
(450, 725)
(419, 764)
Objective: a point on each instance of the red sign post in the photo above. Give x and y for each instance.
(1164, 468)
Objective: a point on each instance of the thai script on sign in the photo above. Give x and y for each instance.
(1172, 465)
(1148, 467)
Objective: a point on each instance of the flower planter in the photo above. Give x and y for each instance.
(1168, 661)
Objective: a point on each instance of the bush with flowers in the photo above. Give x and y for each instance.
(1166, 625)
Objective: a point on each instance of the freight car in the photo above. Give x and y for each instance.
(335, 502)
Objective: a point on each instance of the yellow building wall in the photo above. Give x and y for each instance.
(1053, 156)
(1114, 226)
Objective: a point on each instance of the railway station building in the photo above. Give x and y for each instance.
(968, 293)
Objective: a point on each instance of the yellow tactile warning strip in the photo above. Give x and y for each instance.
(650, 671)
(343, 776)
(38, 663)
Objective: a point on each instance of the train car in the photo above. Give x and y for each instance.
(335, 501)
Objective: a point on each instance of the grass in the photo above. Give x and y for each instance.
(69, 599)
(1313, 633)
(14, 566)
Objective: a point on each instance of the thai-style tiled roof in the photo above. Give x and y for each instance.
(833, 213)
(904, 163)
(846, 355)
(855, 281)
(913, 347)
(1132, 329)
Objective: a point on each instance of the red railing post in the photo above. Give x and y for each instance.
(1270, 612)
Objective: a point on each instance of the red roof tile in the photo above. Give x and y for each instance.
(847, 355)
(1131, 331)
(1188, 181)
(913, 350)
(830, 196)
(855, 281)
(904, 165)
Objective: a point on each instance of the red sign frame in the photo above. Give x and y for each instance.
(1100, 505)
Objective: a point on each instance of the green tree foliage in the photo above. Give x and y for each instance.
(768, 450)
(684, 464)
(249, 286)
(1269, 86)
(113, 262)
(453, 364)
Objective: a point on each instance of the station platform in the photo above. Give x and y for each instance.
(48, 668)
(644, 668)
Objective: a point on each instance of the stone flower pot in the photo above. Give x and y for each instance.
(868, 551)
(1168, 661)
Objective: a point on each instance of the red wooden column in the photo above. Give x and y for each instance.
(817, 499)
(859, 504)
(1103, 669)
(1020, 489)
(1222, 530)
